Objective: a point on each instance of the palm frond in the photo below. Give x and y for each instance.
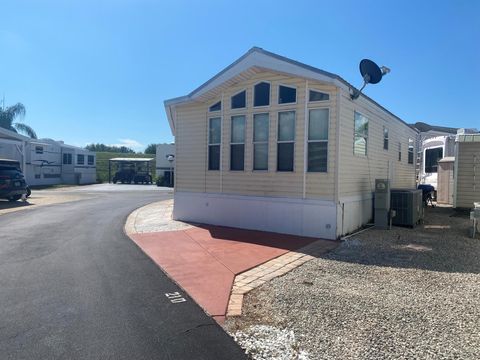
(25, 129)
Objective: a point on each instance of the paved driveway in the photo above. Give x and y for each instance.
(73, 286)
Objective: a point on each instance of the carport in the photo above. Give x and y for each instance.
(132, 164)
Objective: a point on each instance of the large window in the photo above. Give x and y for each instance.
(91, 159)
(261, 94)
(286, 140)
(80, 159)
(317, 96)
(317, 140)
(260, 141)
(410, 151)
(214, 140)
(237, 143)
(385, 138)
(239, 100)
(287, 94)
(67, 159)
(361, 135)
(431, 159)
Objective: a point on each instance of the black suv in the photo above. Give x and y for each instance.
(12, 181)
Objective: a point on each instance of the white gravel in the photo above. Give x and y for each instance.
(263, 342)
(399, 294)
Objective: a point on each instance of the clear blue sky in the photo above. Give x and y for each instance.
(98, 71)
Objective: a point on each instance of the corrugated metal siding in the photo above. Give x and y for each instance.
(357, 174)
(191, 142)
(468, 174)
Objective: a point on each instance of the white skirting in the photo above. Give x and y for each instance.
(304, 217)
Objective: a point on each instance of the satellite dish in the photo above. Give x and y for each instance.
(371, 74)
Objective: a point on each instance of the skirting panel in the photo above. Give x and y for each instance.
(315, 218)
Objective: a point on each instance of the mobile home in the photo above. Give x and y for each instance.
(273, 144)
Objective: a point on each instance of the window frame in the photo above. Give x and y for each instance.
(267, 142)
(287, 141)
(290, 87)
(246, 101)
(319, 91)
(386, 138)
(269, 94)
(238, 143)
(93, 160)
(318, 141)
(219, 144)
(78, 159)
(69, 157)
(39, 149)
(400, 151)
(355, 134)
(411, 151)
(214, 103)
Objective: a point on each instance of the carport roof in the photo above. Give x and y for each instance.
(132, 159)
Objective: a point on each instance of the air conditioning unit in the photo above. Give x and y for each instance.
(408, 206)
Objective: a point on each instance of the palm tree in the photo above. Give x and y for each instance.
(7, 120)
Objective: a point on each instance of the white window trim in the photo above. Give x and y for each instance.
(287, 141)
(260, 142)
(318, 101)
(287, 86)
(318, 141)
(215, 144)
(269, 95)
(368, 135)
(238, 143)
(242, 109)
(213, 103)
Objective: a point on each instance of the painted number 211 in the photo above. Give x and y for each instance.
(175, 297)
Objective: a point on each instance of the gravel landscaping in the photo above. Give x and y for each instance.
(398, 294)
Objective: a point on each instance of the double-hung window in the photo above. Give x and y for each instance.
(67, 159)
(361, 135)
(260, 141)
(410, 151)
(285, 140)
(91, 159)
(237, 143)
(80, 159)
(317, 140)
(214, 140)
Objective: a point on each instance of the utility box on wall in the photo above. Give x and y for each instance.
(382, 203)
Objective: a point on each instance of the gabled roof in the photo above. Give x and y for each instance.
(254, 61)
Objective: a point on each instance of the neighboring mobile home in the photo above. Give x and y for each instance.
(276, 145)
(48, 162)
(164, 167)
(467, 171)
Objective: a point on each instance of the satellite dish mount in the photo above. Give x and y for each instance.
(371, 74)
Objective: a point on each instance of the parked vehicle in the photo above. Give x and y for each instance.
(124, 176)
(12, 181)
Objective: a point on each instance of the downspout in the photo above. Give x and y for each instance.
(305, 142)
(455, 172)
(221, 144)
(337, 157)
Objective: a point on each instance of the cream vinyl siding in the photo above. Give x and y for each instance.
(191, 141)
(357, 173)
(468, 174)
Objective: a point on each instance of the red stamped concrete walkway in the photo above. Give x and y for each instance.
(204, 260)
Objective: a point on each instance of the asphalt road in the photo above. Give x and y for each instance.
(73, 286)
